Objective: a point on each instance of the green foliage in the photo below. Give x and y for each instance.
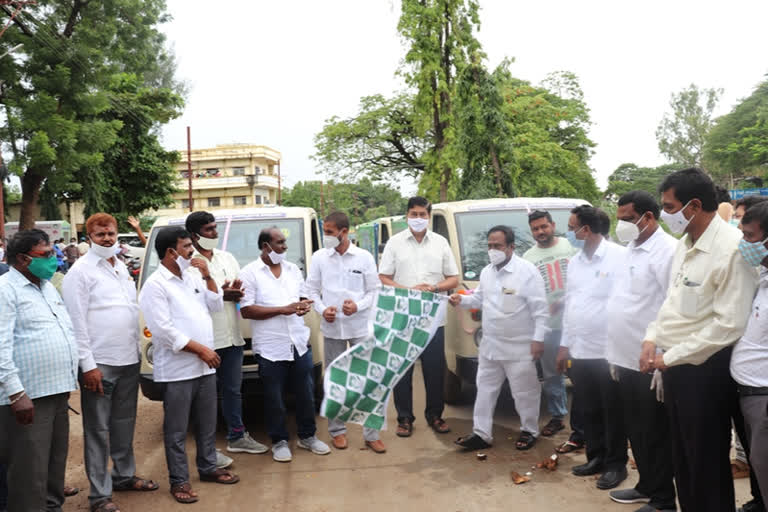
(737, 146)
(682, 132)
(362, 201)
(628, 177)
(58, 97)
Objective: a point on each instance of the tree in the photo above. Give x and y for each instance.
(439, 37)
(55, 91)
(682, 132)
(628, 177)
(737, 145)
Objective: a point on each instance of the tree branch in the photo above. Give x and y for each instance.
(16, 20)
(76, 8)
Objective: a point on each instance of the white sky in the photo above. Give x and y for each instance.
(271, 72)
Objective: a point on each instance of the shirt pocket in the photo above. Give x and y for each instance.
(511, 303)
(602, 285)
(689, 300)
(353, 281)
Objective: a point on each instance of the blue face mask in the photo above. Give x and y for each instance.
(734, 222)
(571, 236)
(753, 252)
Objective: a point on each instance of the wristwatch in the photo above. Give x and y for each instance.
(435, 289)
(206, 278)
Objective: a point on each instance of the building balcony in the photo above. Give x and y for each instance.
(221, 182)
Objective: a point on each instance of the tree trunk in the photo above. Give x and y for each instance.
(496, 171)
(30, 197)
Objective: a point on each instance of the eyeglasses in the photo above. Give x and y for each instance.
(40, 254)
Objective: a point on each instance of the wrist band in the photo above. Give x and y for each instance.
(18, 398)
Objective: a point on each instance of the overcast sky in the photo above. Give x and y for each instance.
(270, 72)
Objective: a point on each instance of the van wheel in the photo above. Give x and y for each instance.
(452, 389)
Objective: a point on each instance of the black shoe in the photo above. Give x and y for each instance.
(611, 479)
(628, 496)
(592, 467)
(752, 506)
(472, 442)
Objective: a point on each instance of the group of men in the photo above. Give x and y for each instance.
(662, 340)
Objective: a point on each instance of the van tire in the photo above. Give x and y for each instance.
(452, 389)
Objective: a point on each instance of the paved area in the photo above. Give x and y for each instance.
(424, 472)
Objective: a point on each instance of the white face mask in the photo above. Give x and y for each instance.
(627, 231)
(104, 252)
(183, 263)
(496, 256)
(676, 221)
(418, 224)
(276, 258)
(208, 244)
(330, 242)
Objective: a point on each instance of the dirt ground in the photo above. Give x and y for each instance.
(424, 472)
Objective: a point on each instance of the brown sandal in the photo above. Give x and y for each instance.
(404, 429)
(183, 493)
(220, 476)
(137, 484)
(439, 425)
(569, 446)
(105, 506)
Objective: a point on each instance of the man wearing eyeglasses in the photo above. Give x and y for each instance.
(38, 370)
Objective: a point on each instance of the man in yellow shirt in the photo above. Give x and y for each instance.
(705, 312)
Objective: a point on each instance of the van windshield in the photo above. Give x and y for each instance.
(473, 233)
(242, 241)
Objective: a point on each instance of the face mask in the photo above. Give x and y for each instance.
(43, 268)
(182, 262)
(734, 222)
(676, 221)
(627, 231)
(418, 224)
(104, 252)
(753, 252)
(496, 256)
(330, 242)
(571, 236)
(208, 244)
(276, 258)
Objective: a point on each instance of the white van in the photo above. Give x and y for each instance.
(238, 234)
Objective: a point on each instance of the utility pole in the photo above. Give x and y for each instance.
(279, 186)
(189, 169)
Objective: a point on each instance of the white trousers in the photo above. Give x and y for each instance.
(526, 391)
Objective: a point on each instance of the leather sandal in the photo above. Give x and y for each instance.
(404, 429)
(183, 493)
(220, 476)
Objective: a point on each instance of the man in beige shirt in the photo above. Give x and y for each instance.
(420, 259)
(708, 301)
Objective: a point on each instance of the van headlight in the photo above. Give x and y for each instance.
(478, 337)
(151, 353)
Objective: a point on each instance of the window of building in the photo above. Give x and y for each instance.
(210, 173)
(214, 201)
(238, 171)
(185, 203)
(257, 170)
(240, 200)
(257, 199)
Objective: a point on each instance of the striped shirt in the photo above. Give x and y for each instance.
(38, 353)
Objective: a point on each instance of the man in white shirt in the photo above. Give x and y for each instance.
(100, 297)
(592, 275)
(705, 312)
(515, 316)
(343, 282)
(750, 354)
(421, 259)
(274, 302)
(227, 338)
(634, 303)
(176, 306)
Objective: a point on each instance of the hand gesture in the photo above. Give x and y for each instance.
(209, 357)
(233, 292)
(305, 306)
(562, 360)
(24, 410)
(201, 265)
(134, 223)
(330, 314)
(455, 299)
(647, 356)
(92, 381)
(537, 349)
(349, 307)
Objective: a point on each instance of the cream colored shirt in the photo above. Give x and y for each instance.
(709, 298)
(411, 263)
(226, 325)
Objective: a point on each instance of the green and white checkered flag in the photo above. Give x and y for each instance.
(358, 382)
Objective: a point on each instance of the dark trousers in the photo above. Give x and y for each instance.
(576, 416)
(599, 398)
(183, 400)
(3, 488)
(36, 455)
(433, 369)
(699, 401)
(297, 376)
(647, 426)
(748, 434)
(229, 377)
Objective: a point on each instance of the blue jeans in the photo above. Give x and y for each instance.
(554, 383)
(297, 376)
(229, 376)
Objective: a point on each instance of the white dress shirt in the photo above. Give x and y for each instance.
(412, 263)
(274, 338)
(515, 310)
(334, 278)
(709, 299)
(587, 292)
(750, 355)
(637, 297)
(101, 301)
(226, 323)
(178, 311)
